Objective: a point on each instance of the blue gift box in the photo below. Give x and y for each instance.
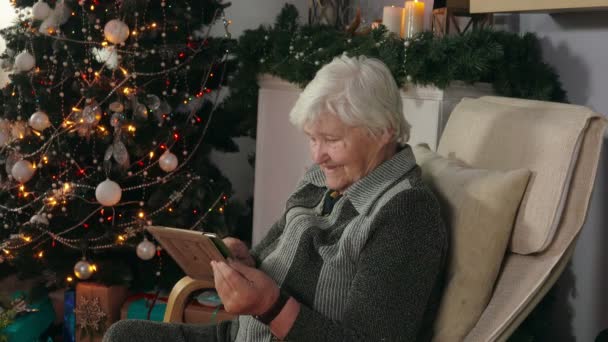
(138, 309)
(31, 326)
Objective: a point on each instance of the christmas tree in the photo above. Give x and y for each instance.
(106, 127)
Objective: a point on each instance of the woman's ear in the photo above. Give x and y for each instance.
(387, 135)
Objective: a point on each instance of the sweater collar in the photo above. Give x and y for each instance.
(364, 192)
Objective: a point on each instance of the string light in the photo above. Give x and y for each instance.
(74, 122)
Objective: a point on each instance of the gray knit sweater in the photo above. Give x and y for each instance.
(370, 270)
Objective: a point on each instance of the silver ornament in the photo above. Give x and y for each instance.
(146, 250)
(91, 114)
(108, 193)
(24, 61)
(23, 171)
(41, 10)
(83, 269)
(116, 31)
(167, 161)
(39, 121)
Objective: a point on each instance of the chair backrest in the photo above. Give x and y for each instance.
(560, 145)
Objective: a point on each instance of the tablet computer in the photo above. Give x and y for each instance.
(192, 250)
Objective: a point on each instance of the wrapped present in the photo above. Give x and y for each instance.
(97, 307)
(144, 306)
(69, 319)
(32, 323)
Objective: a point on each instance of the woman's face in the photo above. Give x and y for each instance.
(345, 153)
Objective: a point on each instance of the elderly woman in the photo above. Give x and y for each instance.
(360, 249)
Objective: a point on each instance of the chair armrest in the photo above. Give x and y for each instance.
(179, 297)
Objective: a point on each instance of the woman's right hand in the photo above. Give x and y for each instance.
(239, 251)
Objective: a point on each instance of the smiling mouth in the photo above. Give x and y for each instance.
(330, 168)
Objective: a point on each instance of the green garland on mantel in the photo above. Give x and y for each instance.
(512, 63)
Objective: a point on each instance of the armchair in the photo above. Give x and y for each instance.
(553, 141)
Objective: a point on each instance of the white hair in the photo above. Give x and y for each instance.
(361, 91)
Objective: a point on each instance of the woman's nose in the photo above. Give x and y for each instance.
(318, 152)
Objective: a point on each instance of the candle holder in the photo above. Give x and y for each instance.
(455, 18)
(329, 12)
(412, 21)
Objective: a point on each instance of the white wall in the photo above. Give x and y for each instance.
(6, 19)
(576, 44)
(248, 14)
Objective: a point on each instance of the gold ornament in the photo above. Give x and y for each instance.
(89, 314)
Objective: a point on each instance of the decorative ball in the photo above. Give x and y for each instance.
(24, 61)
(167, 161)
(23, 171)
(146, 250)
(39, 219)
(116, 31)
(41, 10)
(91, 114)
(39, 121)
(83, 270)
(108, 193)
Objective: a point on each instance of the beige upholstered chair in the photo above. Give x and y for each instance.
(560, 145)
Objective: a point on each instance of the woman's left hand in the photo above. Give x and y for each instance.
(243, 289)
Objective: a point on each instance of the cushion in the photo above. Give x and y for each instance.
(479, 207)
(500, 133)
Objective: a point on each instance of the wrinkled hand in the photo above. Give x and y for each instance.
(244, 290)
(239, 251)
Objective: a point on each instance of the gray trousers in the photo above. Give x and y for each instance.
(133, 330)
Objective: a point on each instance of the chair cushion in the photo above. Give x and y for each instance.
(479, 207)
(500, 133)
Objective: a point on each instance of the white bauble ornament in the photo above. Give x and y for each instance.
(24, 61)
(116, 31)
(41, 10)
(23, 171)
(146, 250)
(108, 193)
(167, 161)
(83, 270)
(39, 121)
(39, 219)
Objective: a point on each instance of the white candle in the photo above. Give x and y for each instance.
(413, 18)
(391, 18)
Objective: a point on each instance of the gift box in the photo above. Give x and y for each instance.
(31, 326)
(138, 307)
(97, 307)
